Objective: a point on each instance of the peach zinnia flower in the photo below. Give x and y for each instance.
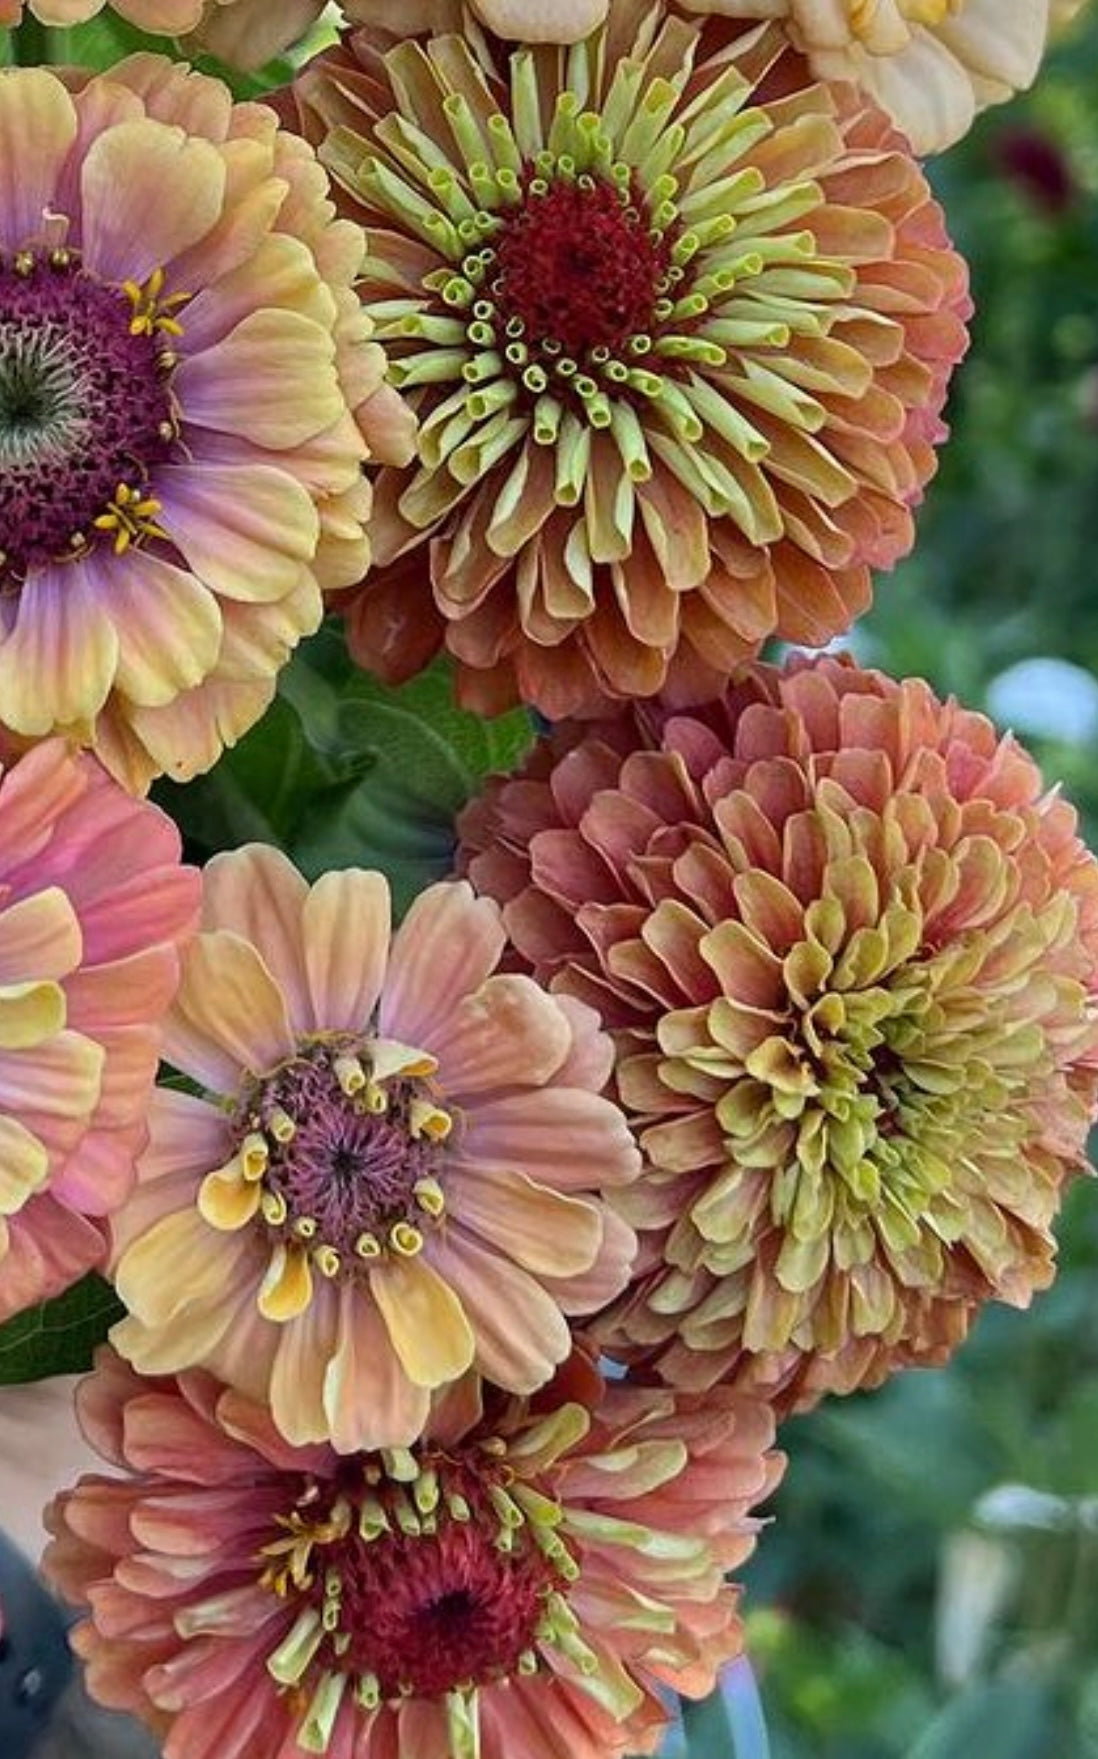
(932, 64)
(850, 952)
(678, 346)
(93, 908)
(518, 1585)
(180, 356)
(396, 1171)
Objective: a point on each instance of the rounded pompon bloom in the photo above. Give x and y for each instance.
(185, 364)
(849, 951)
(932, 64)
(521, 1583)
(678, 344)
(397, 1168)
(94, 906)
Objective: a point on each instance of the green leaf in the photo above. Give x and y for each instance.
(410, 760)
(1010, 1719)
(60, 1336)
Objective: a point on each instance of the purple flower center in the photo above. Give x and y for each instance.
(343, 1167)
(85, 406)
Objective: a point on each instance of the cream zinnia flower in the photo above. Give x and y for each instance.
(932, 64)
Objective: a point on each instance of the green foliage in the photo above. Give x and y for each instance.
(344, 772)
(60, 1336)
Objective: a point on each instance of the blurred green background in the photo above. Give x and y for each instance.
(929, 1589)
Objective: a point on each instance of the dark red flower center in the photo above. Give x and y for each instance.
(580, 266)
(432, 1581)
(85, 406)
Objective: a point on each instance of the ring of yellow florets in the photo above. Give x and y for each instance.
(336, 1155)
(86, 408)
(690, 363)
(427, 1573)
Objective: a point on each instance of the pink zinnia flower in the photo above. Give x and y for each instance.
(848, 946)
(93, 908)
(185, 363)
(520, 1584)
(395, 1170)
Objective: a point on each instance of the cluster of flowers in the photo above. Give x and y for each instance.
(469, 1266)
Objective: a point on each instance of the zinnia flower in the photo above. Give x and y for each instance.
(248, 33)
(849, 949)
(531, 21)
(932, 64)
(518, 1585)
(168, 18)
(180, 356)
(678, 347)
(93, 908)
(396, 1170)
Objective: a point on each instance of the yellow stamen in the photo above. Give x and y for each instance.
(368, 1246)
(427, 1119)
(405, 1239)
(350, 1074)
(430, 1196)
(131, 516)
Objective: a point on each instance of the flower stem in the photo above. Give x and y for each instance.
(32, 43)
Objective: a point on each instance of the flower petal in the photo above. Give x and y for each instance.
(229, 1017)
(425, 1320)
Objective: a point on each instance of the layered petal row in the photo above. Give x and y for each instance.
(396, 1168)
(94, 907)
(678, 324)
(191, 394)
(848, 948)
(526, 1580)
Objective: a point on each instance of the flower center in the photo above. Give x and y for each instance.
(865, 15)
(580, 266)
(425, 1574)
(338, 1152)
(86, 409)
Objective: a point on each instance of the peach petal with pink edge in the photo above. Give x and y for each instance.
(245, 529)
(345, 923)
(167, 624)
(229, 1016)
(272, 381)
(177, 1261)
(257, 893)
(187, 736)
(369, 1400)
(425, 1320)
(34, 107)
(59, 659)
(508, 1033)
(493, 1291)
(556, 1134)
(148, 192)
(39, 936)
(302, 1357)
(543, 1231)
(445, 948)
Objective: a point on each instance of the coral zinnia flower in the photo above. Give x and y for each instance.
(517, 1585)
(932, 64)
(396, 1172)
(678, 347)
(180, 355)
(93, 908)
(850, 950)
